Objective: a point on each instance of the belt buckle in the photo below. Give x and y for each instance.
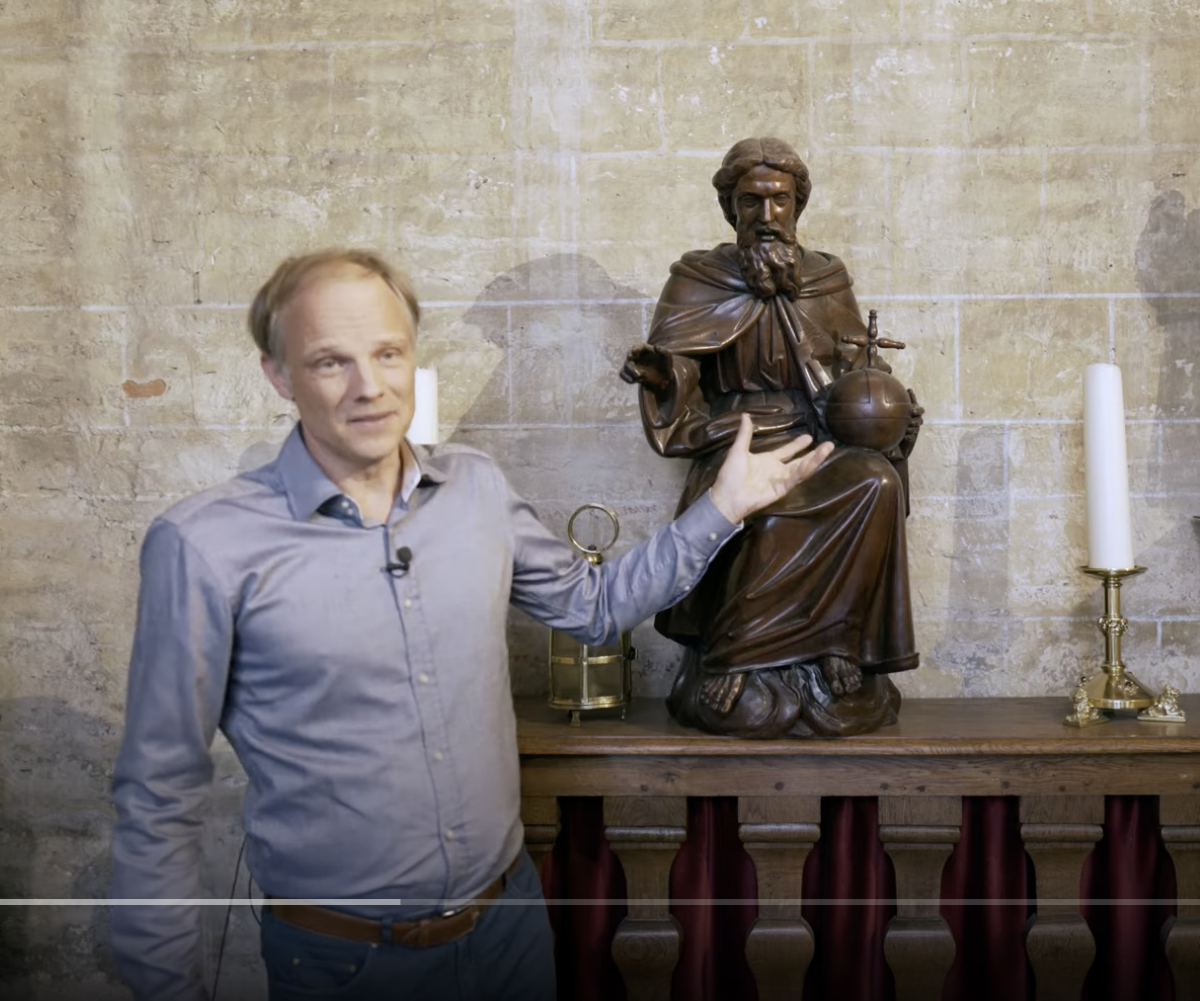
(453, 911)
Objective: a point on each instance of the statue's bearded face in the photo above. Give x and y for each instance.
(764, 203)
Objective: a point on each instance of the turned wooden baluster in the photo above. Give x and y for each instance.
(1180, 819)
(779, 832)
(1059, 833)
(918, 834)
(540, 816)
(645, 833)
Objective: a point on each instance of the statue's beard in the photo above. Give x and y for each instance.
(770, 267)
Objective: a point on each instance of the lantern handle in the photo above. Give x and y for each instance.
(593, 553)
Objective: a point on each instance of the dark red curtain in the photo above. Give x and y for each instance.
(1128, 883)
(845, 873)
(1129, 893)
(988, 864)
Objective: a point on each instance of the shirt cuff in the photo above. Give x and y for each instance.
(704, 523)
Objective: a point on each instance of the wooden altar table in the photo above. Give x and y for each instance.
(646, 766)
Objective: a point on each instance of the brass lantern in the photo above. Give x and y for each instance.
(584, 676)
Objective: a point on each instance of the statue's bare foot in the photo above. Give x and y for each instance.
(841, 674)
(720, 691)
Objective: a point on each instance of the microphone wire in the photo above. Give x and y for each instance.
(228, 910)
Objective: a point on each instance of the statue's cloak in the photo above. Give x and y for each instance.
(823, 570)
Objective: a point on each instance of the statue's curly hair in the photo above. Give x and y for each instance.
(747, 154)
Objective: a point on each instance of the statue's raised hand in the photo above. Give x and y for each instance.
(649, 366)
(914, 427)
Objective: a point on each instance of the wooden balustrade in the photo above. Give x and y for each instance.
(646, 765)
(778, 834)
(1180, 819)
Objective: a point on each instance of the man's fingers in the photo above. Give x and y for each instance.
(785, 453)
(806, 465)
(745, 432)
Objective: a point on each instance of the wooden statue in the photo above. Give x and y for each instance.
(803, 615)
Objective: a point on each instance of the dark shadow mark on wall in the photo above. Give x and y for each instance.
(1168, 273)
(565, 326)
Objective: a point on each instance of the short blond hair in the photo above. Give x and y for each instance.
(291, 275)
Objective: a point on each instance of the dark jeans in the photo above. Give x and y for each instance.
(508, 956)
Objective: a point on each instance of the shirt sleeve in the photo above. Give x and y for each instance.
(595, 604)
(163, 774)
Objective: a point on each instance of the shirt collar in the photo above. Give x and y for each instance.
(307, 487)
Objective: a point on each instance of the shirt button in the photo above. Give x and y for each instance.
(712, 536)
(449, 834)
(408, 602)
(423, 678)
(437, 755)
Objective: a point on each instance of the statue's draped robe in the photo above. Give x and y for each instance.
(823, 570)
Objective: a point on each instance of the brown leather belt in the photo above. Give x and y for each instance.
(436, 930)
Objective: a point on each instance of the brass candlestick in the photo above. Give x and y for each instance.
(1114, 687)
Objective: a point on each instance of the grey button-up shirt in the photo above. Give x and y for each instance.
(371, 711)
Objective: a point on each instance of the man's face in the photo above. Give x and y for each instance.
(349, 359)
(764, 203)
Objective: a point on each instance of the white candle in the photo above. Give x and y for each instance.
(424, 427)
(1110, 534)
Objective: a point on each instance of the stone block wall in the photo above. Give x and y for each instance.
(1015, 186)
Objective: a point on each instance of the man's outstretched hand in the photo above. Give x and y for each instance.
(748, 482)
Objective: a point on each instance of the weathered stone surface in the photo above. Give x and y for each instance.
(906, 94)
(1095, 207)
(35, 23)
(714, 95)
(777, 19)
(469, 349)
(847, 214)
(1013, 362)
(252, 102)
(290, 21)
(419, 98)
(927, 365)
(59, 102)
(452, 222)
(1047, 656)
(614, 102)
(997, 243)
(207, 368)
(1171, 89)
(175, 24)
(959, 461)
(702, 21)
(133, 231)
(971, 17)
(637, 217)
(1030, 92)
(566, 360)
(1045, 460)
(1047, 545)
(609, 465)
(254, 213)
(1172, 18)
(61, 368)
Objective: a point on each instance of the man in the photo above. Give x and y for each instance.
(798, 622)
(340, 615)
